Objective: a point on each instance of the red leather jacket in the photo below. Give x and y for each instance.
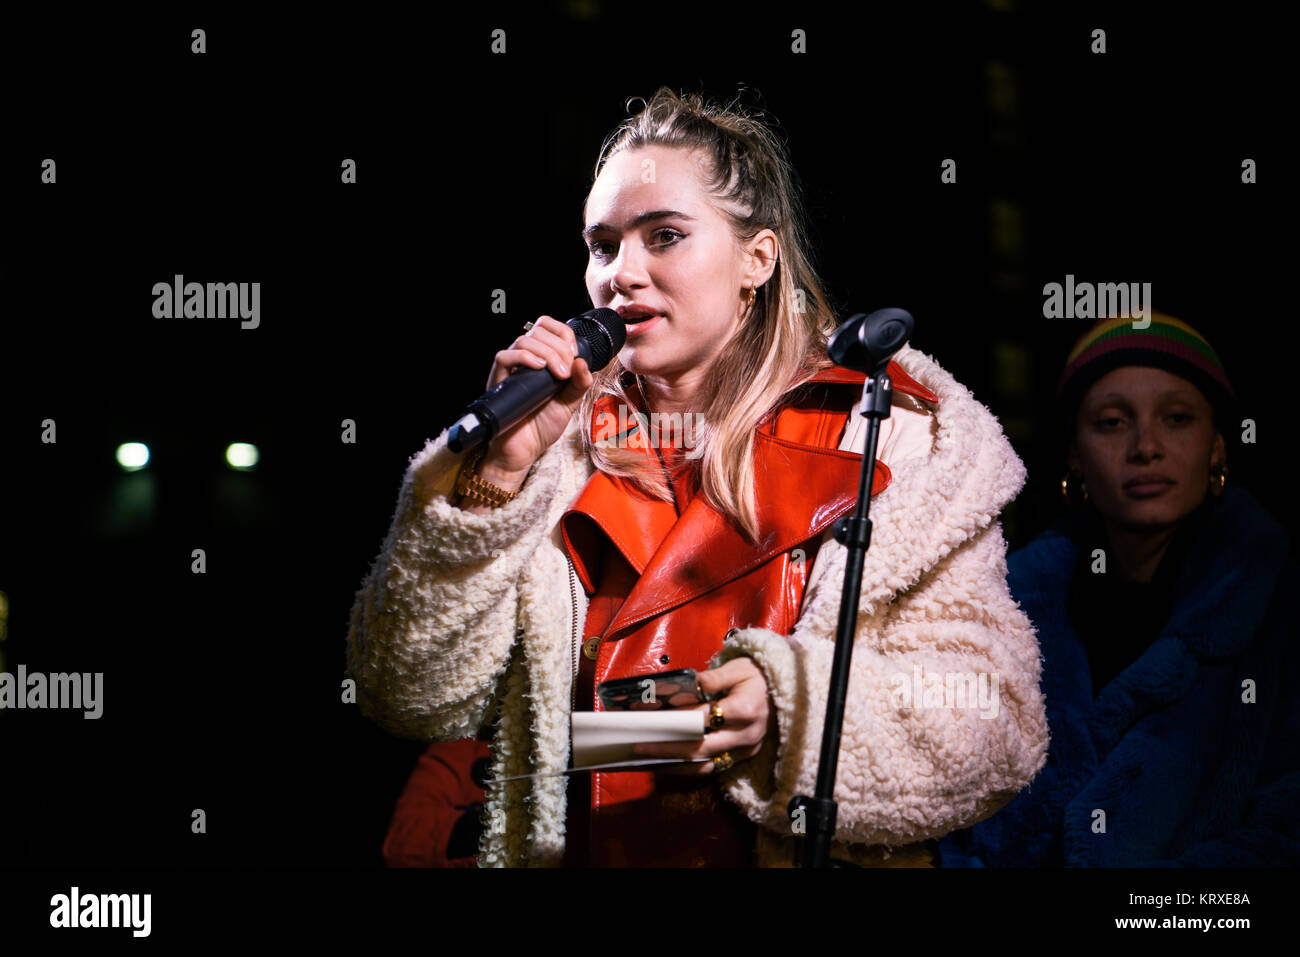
(698, 576)
(440, 793)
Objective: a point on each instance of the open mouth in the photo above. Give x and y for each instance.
(641, 324)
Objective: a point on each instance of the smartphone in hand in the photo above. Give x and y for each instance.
(653, 692)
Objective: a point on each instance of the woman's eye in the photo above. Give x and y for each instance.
(1110, 422)
(1180, 418)
(597, 250)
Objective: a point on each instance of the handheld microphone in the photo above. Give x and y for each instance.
(866, 342)
(600, 334)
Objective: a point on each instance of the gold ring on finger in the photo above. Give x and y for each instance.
(716, 720)
(722, 761)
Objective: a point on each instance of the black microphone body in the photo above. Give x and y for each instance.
(866, 342)
(600, 334)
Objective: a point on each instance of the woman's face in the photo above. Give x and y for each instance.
(654, 239)
(1145, 441)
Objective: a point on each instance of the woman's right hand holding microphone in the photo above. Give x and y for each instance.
(548, 344)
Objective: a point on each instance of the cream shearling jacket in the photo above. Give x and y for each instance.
(464, 617)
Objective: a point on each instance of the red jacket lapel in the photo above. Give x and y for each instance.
(803, 483)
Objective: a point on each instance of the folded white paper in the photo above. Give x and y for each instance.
(602, 737)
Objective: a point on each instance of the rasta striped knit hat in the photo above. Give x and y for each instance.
(1167, 343)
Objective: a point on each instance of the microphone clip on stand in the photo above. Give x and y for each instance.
(864, 343)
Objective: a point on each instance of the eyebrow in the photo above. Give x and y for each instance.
(638, 220)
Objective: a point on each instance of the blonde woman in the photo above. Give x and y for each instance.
(576, 550)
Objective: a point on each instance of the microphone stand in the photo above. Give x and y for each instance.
(854, 533)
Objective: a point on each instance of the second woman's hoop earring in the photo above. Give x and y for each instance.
(751, 297)
(1218, 479)
(1067, 492)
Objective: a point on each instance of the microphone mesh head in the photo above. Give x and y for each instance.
(604, 332)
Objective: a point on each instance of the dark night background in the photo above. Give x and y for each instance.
(222, 691)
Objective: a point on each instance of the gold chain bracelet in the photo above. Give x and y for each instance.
(469, 484)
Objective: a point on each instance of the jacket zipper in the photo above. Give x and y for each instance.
(577, 644)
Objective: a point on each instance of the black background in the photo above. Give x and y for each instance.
(222, 690)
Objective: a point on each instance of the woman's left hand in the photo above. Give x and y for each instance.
(749, 719)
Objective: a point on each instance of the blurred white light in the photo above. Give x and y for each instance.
(133, 456)
(241, 455)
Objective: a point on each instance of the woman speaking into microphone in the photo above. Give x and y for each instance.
(580, 547)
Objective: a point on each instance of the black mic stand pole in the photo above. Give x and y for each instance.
(854, 533)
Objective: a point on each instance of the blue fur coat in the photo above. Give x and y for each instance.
(1172, 764)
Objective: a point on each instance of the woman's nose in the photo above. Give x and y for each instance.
(1146, 441)
(628, 271)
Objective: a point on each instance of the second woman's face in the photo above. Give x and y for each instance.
(1145, 441)
(654, 239)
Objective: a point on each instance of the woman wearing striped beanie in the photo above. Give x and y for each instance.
(1161, 603)
(1143, 413)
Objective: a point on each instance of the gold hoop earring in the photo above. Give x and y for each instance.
(751, 297)
(1218, 479)
(1067, 493)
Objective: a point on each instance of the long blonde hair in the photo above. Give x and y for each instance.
(782, 340)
